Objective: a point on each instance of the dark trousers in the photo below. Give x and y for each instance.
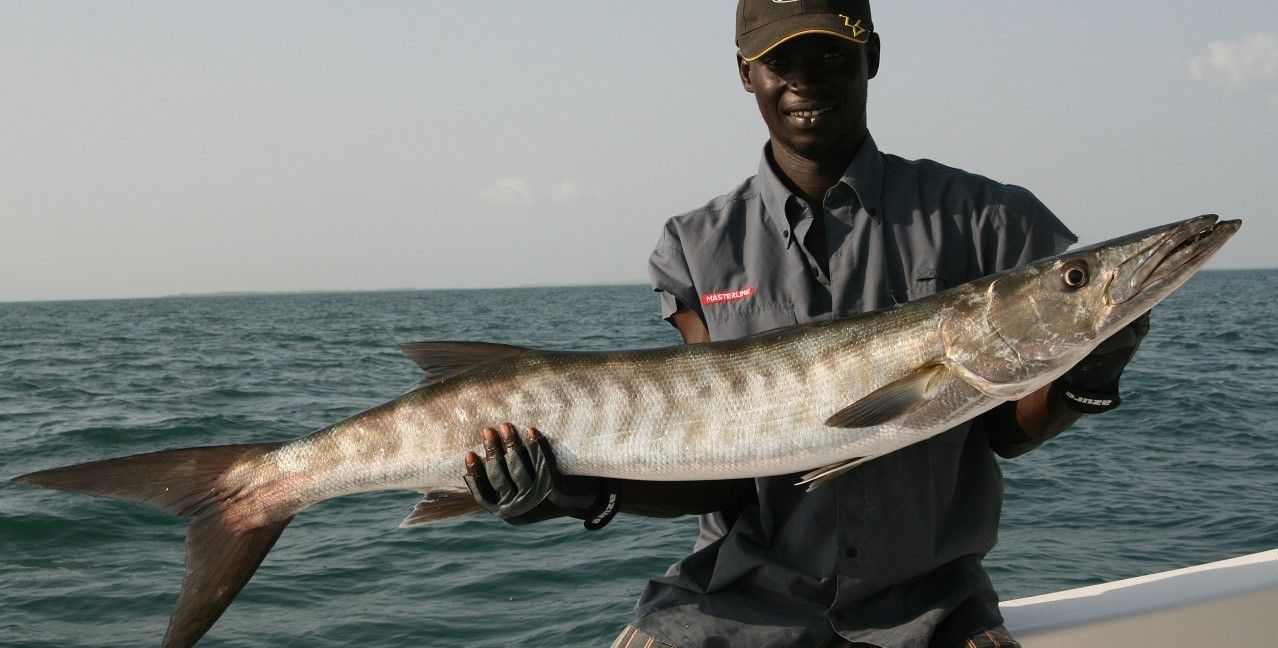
(998, 637)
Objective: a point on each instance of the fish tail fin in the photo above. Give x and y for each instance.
(219, 562)
(229, 534)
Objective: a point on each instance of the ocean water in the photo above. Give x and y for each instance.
(1185, 472)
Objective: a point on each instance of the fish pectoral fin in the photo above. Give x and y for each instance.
(821, 476)
(892, 400)
(442, 360)
(441, 504)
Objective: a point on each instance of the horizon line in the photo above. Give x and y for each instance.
(319, 291)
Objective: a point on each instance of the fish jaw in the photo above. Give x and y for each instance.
(1171, 255)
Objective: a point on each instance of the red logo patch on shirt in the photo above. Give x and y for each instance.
(710, 299)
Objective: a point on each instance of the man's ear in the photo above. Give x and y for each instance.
(873, 50)
(743, 69)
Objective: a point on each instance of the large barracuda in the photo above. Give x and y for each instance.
(818, 397)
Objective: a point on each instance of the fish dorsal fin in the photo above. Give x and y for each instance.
(442, 360)
(892, 400)
(822, 476)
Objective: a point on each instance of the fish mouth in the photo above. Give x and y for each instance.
(1172, 258)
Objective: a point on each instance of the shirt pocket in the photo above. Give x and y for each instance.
(736, 320)
(931, 278)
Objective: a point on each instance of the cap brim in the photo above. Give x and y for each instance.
(758, 42)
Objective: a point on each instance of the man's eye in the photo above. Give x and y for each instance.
(836, 60)
(777, 65)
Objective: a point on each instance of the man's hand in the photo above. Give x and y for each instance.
(520, 483)
(1092, 385)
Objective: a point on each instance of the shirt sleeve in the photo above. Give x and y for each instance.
(668, 270)
(1017, 229)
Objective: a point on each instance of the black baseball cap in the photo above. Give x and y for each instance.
(764, 24)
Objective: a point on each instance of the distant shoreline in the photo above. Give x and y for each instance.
(322, 291)
(329, 291)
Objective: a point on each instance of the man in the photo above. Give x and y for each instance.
(888, 554)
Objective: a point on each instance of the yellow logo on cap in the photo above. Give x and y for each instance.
(857, 30)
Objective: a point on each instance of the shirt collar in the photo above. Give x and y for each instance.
(864, 175)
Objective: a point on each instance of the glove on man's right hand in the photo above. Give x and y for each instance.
(1092, 385)
(520, 483)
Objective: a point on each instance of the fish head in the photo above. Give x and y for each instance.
(1015, 331)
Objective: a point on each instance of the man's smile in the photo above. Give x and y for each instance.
(808, 115)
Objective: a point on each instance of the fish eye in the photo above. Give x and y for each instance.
(1075, 275)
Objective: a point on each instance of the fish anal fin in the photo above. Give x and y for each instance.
(823, 475)
(441, 504)
(442, 360)
(892, 400)
(219, 562)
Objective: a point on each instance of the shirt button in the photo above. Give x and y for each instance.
(849, 552)
(785, 233)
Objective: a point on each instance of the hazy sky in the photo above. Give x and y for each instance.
(159, 148)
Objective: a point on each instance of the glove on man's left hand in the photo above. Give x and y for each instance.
(1092, 385)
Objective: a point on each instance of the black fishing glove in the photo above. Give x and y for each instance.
(1091, 386)
(520, 483)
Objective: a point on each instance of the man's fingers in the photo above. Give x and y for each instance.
(477, 480)
(509, 438)
(513, 477)
(495, 467)
(518, 465)
(495, 470)
(543, 458)
(492, 447)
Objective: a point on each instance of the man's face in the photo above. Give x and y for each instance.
(811, 91)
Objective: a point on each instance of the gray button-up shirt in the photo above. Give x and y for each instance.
(887, 551)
